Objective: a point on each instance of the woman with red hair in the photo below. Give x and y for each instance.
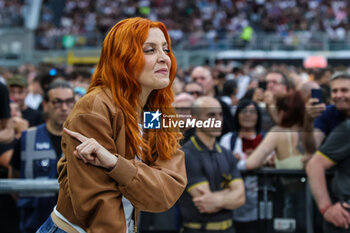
(112, 168)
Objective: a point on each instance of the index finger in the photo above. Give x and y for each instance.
(76, 135)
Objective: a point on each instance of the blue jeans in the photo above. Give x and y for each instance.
(50, 227)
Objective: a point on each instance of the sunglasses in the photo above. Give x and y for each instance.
(58, 103)
(195, 93)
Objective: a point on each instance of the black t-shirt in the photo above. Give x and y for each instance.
(16, 157)
(337, 149)
(216, 167)
(5, 112)
(34, 117)
(56, 143)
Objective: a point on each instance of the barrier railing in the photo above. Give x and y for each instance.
(268, 195)
(28, 185)
(271, 211)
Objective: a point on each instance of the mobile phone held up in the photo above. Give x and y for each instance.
(317, 94)
(262, 85)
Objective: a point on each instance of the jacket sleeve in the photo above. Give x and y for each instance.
(152, 188)
(96, 193)
(95, 197)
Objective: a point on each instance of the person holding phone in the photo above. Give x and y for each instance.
(320, 119)
(262, 84)
(112, 168)
(317, 93)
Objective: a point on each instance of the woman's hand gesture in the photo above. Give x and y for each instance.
(90, 151)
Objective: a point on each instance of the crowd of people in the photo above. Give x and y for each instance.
(269, 119)
(39, 103)
(268, 113)
(196, 22)
(12, 13)
(299, 131)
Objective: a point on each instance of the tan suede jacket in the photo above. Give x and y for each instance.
(90, 196)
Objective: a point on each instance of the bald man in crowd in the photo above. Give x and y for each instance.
(215, 186)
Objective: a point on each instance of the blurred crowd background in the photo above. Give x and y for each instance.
(191, 24)
(46, 40)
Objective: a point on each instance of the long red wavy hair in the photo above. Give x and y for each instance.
(121, 62)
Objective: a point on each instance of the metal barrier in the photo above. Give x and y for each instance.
(28, 186)
(269, 220)
(268, 191)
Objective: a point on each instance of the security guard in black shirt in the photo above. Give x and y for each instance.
(215, 186)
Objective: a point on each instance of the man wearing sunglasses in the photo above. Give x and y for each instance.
(37, 152)
(194, 89)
